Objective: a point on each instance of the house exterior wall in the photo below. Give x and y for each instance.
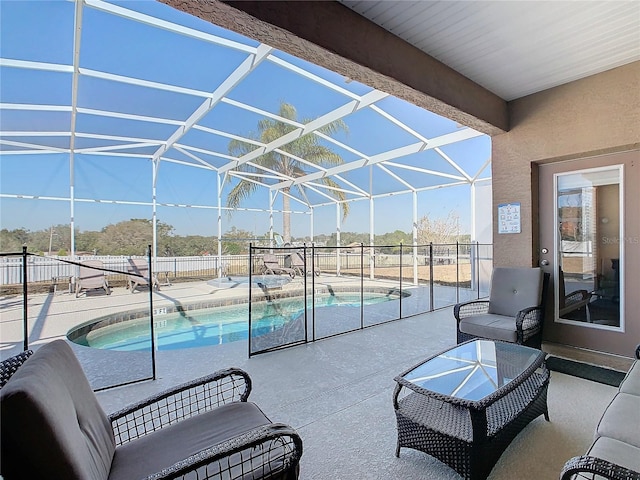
(584, 124)
(589, 117)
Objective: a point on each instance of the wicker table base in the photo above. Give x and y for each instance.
(470, 436)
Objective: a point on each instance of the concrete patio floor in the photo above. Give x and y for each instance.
(337, 392)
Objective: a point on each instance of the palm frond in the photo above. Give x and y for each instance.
(307, 147)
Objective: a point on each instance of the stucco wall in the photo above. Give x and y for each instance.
(596, 115)
(590, 122)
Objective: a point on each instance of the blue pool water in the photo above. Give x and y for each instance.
(196, 328)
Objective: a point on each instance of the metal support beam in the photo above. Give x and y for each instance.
(271, 200)
(219, 177)
(154, 215)
(338, 227)
(415, 238)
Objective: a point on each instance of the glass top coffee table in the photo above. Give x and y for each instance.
(465, 405)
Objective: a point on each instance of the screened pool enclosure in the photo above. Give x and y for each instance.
(112, 111)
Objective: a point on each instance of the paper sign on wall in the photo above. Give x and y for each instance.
(509, 218)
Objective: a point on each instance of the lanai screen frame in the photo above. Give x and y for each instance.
(174, 149)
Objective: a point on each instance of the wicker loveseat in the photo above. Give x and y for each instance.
(53, 427)
(615, 451)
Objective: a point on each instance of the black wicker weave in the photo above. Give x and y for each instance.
(270, 451)
(9, 366)
(593, 468)
(470, 436)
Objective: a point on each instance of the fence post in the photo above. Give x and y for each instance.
(431, 275)
(478, 268)
(250, 296)
(24, 298)
(362, 285)
(313, 295)
(152, 326)
(457, 272)
(400, 313)
(304, 283)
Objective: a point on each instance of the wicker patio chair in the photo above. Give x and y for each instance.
(575, 300)
(10, 366)
(54, 427)
(514, 312)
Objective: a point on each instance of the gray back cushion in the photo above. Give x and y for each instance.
(514, 289)
(52, 424)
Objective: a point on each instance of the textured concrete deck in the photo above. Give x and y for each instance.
(336, 392)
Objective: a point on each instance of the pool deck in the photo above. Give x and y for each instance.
(336, 392)
(51, 315)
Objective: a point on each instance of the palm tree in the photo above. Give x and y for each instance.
(305, 147)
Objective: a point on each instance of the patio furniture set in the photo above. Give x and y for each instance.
(462, 406)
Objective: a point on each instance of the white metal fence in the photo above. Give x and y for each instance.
(51, 268)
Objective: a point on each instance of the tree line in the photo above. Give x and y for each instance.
(131, 237)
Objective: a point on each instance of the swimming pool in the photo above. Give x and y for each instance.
(209, 326)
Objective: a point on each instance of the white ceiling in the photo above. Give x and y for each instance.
(515, 48)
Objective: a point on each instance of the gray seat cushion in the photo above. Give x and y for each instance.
(514, 289)
(631, 382)
(163, 448)
(495, 327)
(52, 424)
(621, 420)
(617, 452)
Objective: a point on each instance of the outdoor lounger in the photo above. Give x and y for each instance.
(139, 275)
(272, 267)
(91, 277)
(297, 263)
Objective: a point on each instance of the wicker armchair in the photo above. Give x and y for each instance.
(53, 427)
(514, 312)
(574, 301)
(10, 366)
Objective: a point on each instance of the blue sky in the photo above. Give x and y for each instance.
(43, 32)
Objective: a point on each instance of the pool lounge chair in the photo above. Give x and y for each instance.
(272, 267)
(91, 277)
(296, 261)
(140, 270)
